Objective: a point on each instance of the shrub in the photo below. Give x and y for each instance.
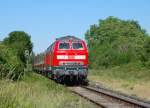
(10, 65)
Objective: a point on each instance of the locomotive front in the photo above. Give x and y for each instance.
(70, 59)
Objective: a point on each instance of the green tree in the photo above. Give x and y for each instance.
(19, 41)
(114, 42)
(146, 54)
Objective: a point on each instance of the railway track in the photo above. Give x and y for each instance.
(108, 99)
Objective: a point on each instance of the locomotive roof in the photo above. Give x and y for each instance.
(68, 38)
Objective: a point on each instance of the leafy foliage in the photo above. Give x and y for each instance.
(146, 54)
(10, 65)
(115, 42)
(20, 41)
(12, 58)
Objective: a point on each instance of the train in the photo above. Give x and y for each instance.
(66, 59)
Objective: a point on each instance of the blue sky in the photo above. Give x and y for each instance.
(46, 20)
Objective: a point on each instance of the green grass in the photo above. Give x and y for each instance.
(36, 91)
(129, 72)
(132, 79)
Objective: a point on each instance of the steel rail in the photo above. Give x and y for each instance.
(121, 96)
(108, 99)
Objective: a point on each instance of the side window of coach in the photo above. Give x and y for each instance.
(77, 45)
(64, 45)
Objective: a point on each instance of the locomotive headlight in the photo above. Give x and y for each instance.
(80, 57)
(62, 57)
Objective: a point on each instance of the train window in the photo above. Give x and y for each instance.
(64, 45)
(77, 45)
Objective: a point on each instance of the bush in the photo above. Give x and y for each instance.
(10, 65)
(113, 42)
(20, 41)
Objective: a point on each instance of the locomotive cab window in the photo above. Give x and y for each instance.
(77, 45)
(64, 45)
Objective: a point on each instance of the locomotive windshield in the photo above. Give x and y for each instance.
(64, 45)
(77, 45)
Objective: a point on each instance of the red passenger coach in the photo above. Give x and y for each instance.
(66, 58)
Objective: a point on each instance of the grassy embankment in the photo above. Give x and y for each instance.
(36, 91)
(130, 79)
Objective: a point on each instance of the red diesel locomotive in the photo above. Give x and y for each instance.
(66, 58)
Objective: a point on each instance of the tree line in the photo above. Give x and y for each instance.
(111, 42)
(114, 42)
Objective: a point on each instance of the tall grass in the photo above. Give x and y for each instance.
(129, 72)
(132, 79)
(35, 91)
